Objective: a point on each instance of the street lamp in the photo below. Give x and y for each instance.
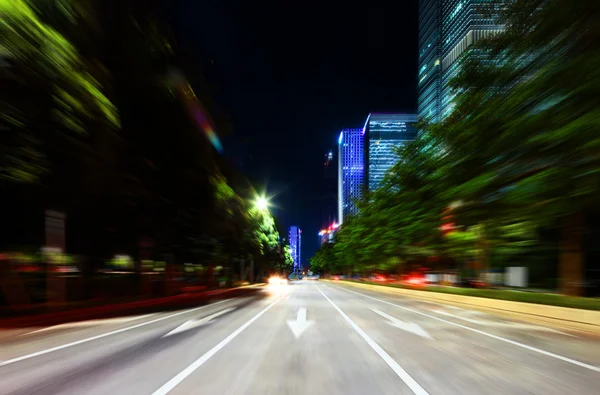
(262, 203)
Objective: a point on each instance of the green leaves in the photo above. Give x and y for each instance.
(48, 83)
(520, 149)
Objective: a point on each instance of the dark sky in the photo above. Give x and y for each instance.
(293, 76)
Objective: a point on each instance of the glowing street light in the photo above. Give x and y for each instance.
(262, 203)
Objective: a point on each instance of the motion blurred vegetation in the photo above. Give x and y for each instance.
(92, 127)
(513, 171)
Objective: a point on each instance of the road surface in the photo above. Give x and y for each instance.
(305, 338)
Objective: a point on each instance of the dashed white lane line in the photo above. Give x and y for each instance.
(404, 376)
(169, 385)
(515, 343)
(89, 339)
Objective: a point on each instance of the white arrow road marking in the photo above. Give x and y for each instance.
(300, 325)
(169, 385)
(89, 339)
(503, 324)
(499, 338)
(407, 326)
(196, 323)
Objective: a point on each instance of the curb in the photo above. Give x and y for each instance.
(111, 310)
(563, 317)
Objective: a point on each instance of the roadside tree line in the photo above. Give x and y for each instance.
(512, 175)
(94, 126)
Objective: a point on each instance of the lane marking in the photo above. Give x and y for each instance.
(107, 321)
(169, 385)
(89, 339)
(404, 376)
(406, 326)
(194, 323)
(514, 325)
(515, 343)
(301, 324)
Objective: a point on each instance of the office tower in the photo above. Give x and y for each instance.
(351, 170)
(328, 200)
(295, 240)
(430, 55)
(447, 31)
(385, 133)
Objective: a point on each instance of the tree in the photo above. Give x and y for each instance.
(95, 121)
(51, 93)
(522, 143)
(519, 151)
(324, 260)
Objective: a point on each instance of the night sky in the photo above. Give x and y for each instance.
(291, 77)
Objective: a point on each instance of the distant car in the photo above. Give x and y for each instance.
(276, 280)
(336, 278)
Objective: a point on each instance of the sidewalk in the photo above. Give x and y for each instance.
(128, 308)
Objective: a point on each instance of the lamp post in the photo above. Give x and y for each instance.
(261, 203)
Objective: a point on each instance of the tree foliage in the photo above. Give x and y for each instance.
(517, 154)
(93, 125)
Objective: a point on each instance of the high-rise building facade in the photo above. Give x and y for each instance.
(430, 57)
(328, 198)
(351, 171)
(384, 134)
(447, 30)
(295, 240)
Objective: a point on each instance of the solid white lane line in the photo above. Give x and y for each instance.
(89, 339)
(514, 325)
(80, 324)
(169, 385)
(404, 376)
(515, 343)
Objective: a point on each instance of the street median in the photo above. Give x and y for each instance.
(563, 317)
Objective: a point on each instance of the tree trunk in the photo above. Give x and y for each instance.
(242, 270)
(484, 252)
(571, 255)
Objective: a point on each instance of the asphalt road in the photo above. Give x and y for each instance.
(306, 338)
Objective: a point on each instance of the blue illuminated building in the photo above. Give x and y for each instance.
(430, 55)
(447, 31)
(295, 240)
(351, 171)
(385, 133)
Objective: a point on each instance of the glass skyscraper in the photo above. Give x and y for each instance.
(295, 239)
(447, 30)
(430, 55)
(329, 190)
(351, 171)
(385, 133)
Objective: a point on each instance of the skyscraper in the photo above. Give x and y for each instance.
(351, 170)
(430, 55)
(385, 133)
(295, 239)
(328, 200)
(447, 30)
